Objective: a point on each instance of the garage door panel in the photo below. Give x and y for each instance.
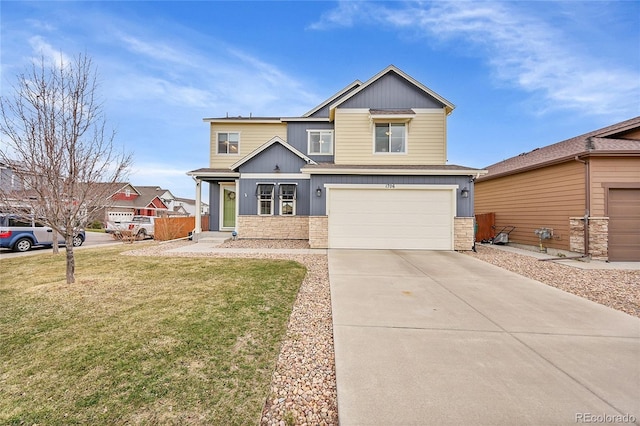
(393, 219)
(624, 224)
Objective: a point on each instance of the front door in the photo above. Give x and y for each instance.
(227, 207)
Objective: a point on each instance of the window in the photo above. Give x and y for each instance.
(390, 137)
(288, 200)
(228, 143)
(320, 142)
(265, 199)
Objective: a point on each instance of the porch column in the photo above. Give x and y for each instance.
(198, 229)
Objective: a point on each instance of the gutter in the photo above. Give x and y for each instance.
(587, 202)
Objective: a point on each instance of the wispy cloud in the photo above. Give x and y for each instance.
(344, 15)
(220, 77)
(522, 49)
(42, 49)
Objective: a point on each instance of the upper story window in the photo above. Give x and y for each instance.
(228, 142)
(265, 199)
(320, 142)
(390, 138)
(287, 199)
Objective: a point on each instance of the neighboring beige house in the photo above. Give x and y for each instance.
(593, 177)
(366, 168)
(188, 205)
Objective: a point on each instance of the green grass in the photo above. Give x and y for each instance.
(140, 340)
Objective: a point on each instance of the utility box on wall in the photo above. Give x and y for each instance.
(544, 233)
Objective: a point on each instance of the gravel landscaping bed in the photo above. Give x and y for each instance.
(303, 386)
(615, 288)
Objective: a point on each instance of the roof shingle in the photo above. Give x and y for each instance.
(589, 143)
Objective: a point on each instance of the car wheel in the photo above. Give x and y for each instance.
(22, 245)
(77, 241)
(142, 234)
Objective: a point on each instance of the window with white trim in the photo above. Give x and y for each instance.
(228, 142)
(390, 138)
(287, 193)
(320, 142)
(264, 192)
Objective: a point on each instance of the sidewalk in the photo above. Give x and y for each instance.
(215, 248)
(576, 263)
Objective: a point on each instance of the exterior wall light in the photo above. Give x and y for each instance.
(319, 192)
(464, 193)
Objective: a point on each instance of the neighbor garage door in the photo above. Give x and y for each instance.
(391, 218)
(624, 224)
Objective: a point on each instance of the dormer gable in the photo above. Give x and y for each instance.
(391, 89)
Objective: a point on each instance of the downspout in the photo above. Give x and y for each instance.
(587, 202)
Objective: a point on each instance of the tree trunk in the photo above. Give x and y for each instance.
(71, 261)
(56, 246)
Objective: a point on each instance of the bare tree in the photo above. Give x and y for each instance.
(54, 138)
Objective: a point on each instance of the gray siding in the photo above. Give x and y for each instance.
(248, 201)
(287, 161)
(324, 111)
(297, 137)
(214, 206)
(9, 181)
(392, 91)
(464, 205)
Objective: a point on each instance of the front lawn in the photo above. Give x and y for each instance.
(140, 340)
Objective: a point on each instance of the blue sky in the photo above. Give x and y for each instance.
(521, 74)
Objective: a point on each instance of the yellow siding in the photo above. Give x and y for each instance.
(252, 135)
(535, 199)
(610, 171)
(426, 140)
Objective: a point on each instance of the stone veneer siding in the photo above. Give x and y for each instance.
(318, 231)
(463, 233)
(274, 227)
(598, 236)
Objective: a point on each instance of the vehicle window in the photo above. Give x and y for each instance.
(19, 222)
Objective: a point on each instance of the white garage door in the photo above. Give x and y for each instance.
(391, 218)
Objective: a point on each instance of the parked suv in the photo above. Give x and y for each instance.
(20, 234)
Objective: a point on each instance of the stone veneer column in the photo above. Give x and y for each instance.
(598, 236)
(318, 231)
(576, 234)
(463, 233)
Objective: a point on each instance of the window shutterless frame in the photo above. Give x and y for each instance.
(390, 138)
(319, 142)
(264, 193)
(287, 194)
(228, 142)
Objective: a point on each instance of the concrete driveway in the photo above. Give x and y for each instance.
(432, 338)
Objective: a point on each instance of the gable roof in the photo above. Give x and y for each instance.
(263, 147)
(145, 198)
(608, 140)
(333, 98)
(392, 68)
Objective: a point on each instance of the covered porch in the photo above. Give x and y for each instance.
(222, 199)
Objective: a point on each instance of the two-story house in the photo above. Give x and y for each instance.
(367, 168)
